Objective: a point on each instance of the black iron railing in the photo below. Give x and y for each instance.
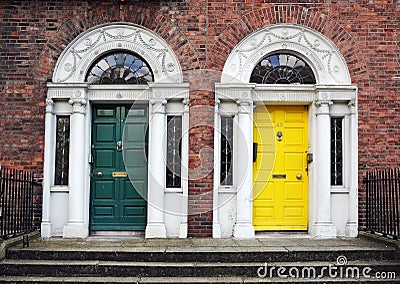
(16, 202)
(382, 202)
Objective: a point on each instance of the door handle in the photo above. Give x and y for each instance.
(299, 176)
(119, 146)
(99, 174)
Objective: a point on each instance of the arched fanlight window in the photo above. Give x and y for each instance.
(282, 68)
(119, 68)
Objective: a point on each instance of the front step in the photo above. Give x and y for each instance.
(62, 268)
(172, 261)
(192, 269)
(204, 254)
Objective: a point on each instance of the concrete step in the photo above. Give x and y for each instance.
(183, 280)
(199, 261)
(204, 254)
(65, 268)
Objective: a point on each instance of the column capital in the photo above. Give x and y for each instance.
(352, 105)
(186, 101)
(322, 106)
(158, 106)
(49, 106)
(245, 106)
(186, 104)
(78, 104)
(217, 104)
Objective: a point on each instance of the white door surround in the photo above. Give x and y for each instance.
(66, 208)
(333, 210)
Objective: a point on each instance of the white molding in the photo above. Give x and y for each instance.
(282, 94)
(317, 50)
(118, 93)
(76, 59)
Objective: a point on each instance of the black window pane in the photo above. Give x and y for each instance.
(120, 68)
(62, 151)
(174, 137)
(226, 177)
(282, 68)
(336, 151)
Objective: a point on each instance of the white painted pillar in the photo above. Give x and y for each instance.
(48, 172)
(352, 223)
(183, 229)
(244, 172)
(217, 153)
(75, 227)
(155, 218)
(323, 224)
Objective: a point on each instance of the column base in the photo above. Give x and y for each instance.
(155, 231)
(217, 231)
(243, 231)
(352, 229)
(46, 229)
(183, 229)
(75, 230)
(325, 230)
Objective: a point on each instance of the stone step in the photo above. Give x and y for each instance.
(65, 268)
(204, 254)
(184, 280)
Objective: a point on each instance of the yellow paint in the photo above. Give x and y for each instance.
(280, 202)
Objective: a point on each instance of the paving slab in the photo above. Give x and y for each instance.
(207, 244)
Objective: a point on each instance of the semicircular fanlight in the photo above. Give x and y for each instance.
(282, 68)
(120, 68)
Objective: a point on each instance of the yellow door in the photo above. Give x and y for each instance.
(280, 178)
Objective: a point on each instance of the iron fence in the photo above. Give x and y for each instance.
(16, 202)
(382, 202)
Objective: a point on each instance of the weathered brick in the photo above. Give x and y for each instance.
(202, 34)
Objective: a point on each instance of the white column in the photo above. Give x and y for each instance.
(323, 224)
(352, 223)
(244, 172)
(183, 229)
(155, 218)
(75, 227)
(217, 153)
(48, 173)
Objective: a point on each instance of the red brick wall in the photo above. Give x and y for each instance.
(202, 33)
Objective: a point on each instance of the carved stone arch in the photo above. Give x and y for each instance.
(76, 59)
(319, 52)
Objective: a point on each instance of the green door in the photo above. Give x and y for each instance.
(116, 202)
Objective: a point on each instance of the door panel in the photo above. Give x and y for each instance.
(116, 202)
(280, 180)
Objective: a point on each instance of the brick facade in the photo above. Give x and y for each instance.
(202, 34)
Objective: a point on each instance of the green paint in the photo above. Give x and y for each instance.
(116, 202)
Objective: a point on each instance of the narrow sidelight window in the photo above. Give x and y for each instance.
(337, 151)
(62, 151)
(174, 136)
(226, 150)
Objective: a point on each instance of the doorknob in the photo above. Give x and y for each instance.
(119, 146)
(99, 174)
(299, 176)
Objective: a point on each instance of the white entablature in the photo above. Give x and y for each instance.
(75, 61)
(319, 52)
